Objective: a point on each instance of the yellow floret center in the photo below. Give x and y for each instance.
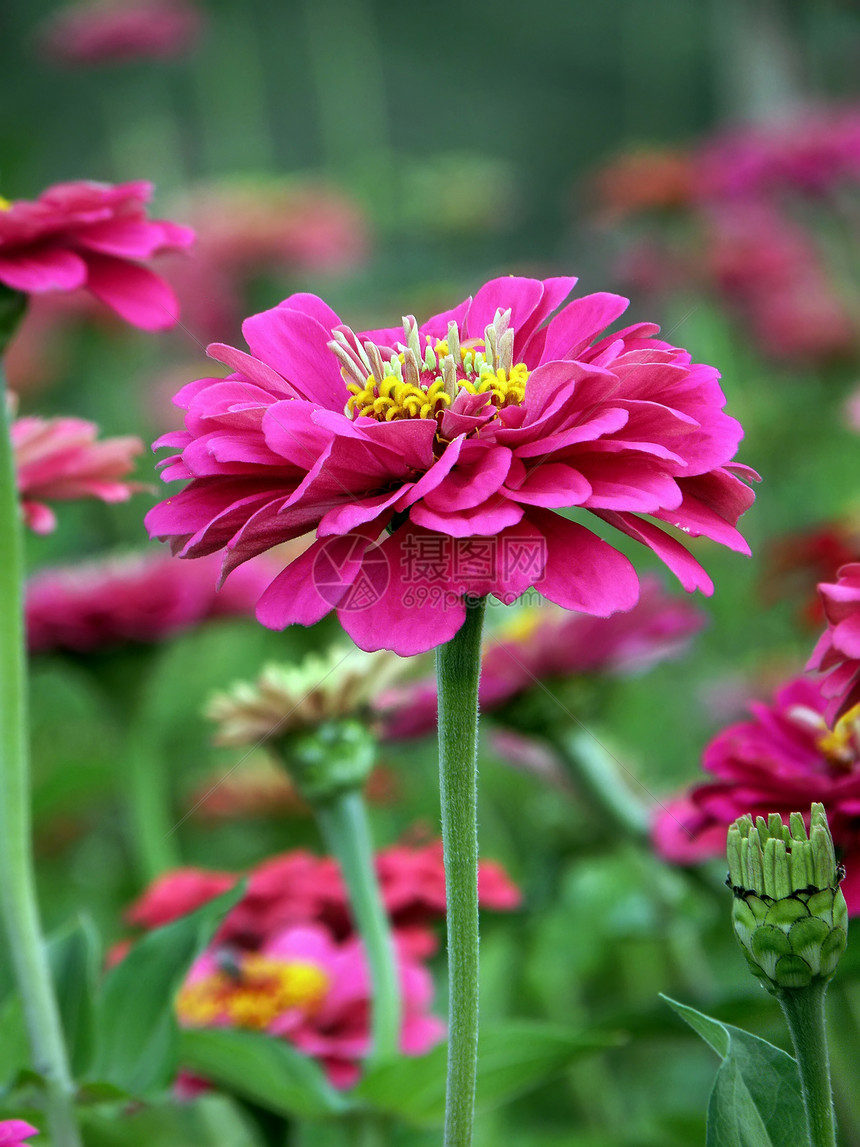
(253, 994)
(392, 397)
(840, 744)
(5, 205)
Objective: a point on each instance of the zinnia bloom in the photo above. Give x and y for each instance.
(310, 989)
(431, 461)
(838, 650)
(298, 887)
(543, 641)
(287, 698)
(118, 31)
(13, 1132)
(139, 598)
(59, 459)
(92, 235)
(783, 759)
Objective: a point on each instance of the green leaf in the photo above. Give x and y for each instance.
(211, 1121)
(261, 1068)
(74, 954)
(756, 1099)
(512, 1058)
(73, 957)
(136, 1029)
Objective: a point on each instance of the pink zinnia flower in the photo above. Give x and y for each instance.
(92, 235)
(140, 598)
(310, 989)
(13, 1132)
(544, 641)
(59, 459)
(118, 31)
(431, 461)
(782, 760)
(838, 650)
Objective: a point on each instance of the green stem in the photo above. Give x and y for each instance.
(598, 774)
(804, 1013)
(458, 670)
(367, 1130)
(17, 880)
(343, 823)
(147, 795)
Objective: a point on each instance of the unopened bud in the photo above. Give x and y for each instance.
(789, 913)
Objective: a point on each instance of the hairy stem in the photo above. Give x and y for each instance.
(458, 670)
(804, 1013)
(17, 880)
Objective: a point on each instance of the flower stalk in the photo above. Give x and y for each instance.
(344, 826)
(458, 670)
(803, 1009)
(329, 766)
(17, 879)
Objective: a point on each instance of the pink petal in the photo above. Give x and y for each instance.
(251, 368)
(489, 518)
(582, 571)
(576, 327)
(412, 615)
(313, 584)
(682, 563)
(479, 473)
(51, 269)
(553, 485)
(295, 344)
(512, 292)
(135, 293)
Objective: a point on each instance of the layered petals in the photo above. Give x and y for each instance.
(95, 236)
(433, 469)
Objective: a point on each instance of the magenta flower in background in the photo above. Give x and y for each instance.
(311, 990)
(95, 236)
(431, 461)
(812, 153)
(783, 759)
(119, 31)
(543, 642)
(138, 598)
(60, 459)
(837, 653)
(13, 1132)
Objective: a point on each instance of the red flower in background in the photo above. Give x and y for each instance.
(118, 31)
(140, 598)
(60, 459)
(837, 653)
(796, 563)
(298, 887)
(782, 760)
(93, 236)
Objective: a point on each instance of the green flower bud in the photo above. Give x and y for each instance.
(789, 913)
